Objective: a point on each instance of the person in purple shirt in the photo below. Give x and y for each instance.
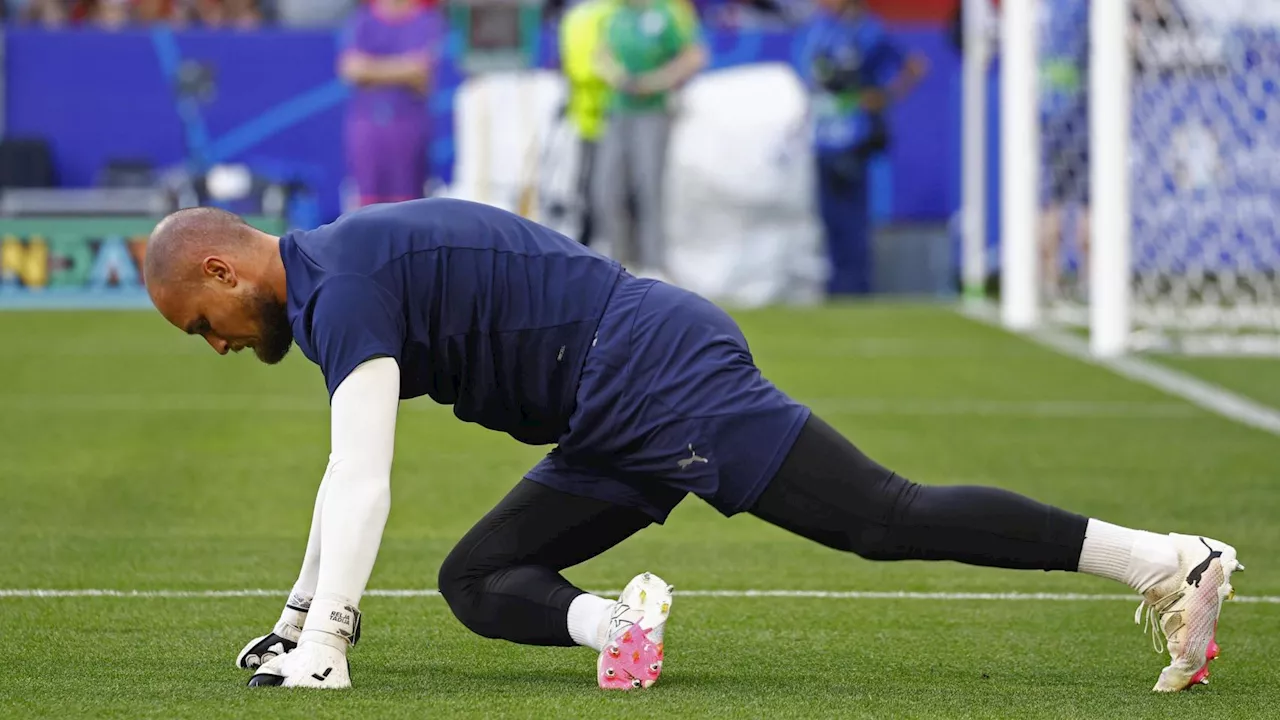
(389, 49)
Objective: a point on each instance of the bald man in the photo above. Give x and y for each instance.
(649, 393)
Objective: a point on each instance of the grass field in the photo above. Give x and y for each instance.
(133, 458)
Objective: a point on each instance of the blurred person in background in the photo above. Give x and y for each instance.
(649, 49)
(581, 31)
(240, 14)
(150, 12)
(856, 71)
(1064, 122)
(313, 13)
(390, 49)
(113, 14)
(46, 13)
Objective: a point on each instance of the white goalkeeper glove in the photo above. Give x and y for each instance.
(282, 638)
(320, 658)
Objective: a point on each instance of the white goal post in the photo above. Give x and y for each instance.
(1139, 171)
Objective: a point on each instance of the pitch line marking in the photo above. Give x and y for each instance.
(1214, 398)
(815, 594)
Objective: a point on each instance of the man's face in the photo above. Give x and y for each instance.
(230, 314)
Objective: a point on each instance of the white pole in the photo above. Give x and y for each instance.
(973, 185)
(1110, 118)
(1020, 166)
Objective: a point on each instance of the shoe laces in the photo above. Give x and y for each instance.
(1151, 616)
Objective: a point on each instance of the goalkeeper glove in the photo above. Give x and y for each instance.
(320, 658)
(282, 638)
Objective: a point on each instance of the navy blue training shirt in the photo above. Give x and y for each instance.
(482, 309)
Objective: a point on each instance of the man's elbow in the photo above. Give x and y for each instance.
(697, 58)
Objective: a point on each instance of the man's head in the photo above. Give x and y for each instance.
(211, 274)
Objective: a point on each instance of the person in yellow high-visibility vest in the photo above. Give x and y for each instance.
(581, 31)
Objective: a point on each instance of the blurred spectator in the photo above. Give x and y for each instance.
(855, 71)
(112, 14)
(389, 53)
(149, 12)
(48, 13)
(239, 14)
(1064, 138)
(242, 14)
(581, 32)
(649, 48)
(313, 13)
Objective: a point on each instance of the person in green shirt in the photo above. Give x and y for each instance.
(650, 48)
(581, 32)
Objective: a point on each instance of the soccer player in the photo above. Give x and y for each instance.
(648, 393)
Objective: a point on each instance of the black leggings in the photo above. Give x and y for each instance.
(503, 578)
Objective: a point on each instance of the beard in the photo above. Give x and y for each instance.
(276, 336)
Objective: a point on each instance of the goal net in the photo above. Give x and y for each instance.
(1179, 100)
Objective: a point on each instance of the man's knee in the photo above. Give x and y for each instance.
(461, 585)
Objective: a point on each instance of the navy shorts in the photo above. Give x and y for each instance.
(670, 403)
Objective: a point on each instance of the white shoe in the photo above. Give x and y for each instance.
(1184, 610)
(632, 654)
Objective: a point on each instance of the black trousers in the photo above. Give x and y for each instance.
(503, 578)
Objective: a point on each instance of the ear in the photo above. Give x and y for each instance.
(219, 270)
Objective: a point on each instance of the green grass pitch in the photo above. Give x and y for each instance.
(133, 458)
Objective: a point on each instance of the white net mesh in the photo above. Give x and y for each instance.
(1205, 171)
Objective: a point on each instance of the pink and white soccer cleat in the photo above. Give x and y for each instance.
(632, 655)
(1184, 610)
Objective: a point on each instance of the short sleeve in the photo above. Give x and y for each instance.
(888, 57)
(810, 37)
(685, 24)
(351, 36)
(427, 38)
(353, 319)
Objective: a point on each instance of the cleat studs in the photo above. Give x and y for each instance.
(655, 668)
(635, 683)
(608, 672)
(614, 650)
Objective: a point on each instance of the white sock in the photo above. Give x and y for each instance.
(589, 620)
(1137, 558)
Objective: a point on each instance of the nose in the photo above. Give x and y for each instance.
(219, 345)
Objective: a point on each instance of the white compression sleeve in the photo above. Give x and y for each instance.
(358, 497)
(305, 587)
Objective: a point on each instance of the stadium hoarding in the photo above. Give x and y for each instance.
(79, 262)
